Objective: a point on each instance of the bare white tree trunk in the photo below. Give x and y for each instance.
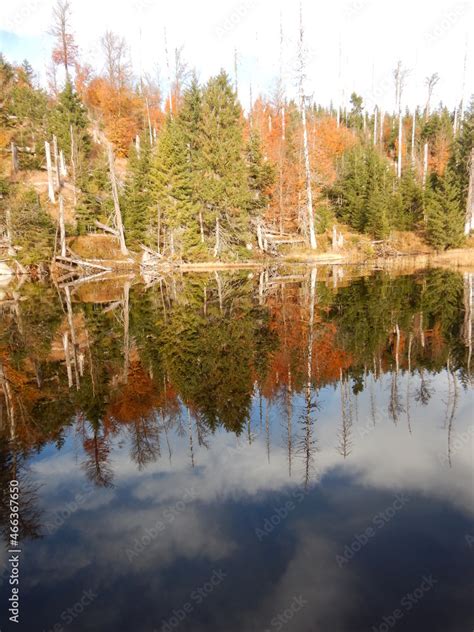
(49, 168)
(62, 228)
(425, 162)
(413, 134)
(56, 162)
(469, 225)
(382, 120)
(115, 196)
(307, 164)
(62, 165)
(14, 158)
(375, 125)
(400, 141)
(309, 193)
(73, 165)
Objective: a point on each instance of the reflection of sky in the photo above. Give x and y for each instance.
(236, 488)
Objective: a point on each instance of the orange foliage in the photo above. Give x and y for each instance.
(120, 110)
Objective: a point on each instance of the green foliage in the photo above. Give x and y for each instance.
(32, 228)
(363, 194)
(261, 174)
(224, 187)
(445, 214)
(175, 209)
(137, 198)
(95, 202)
(70, 114)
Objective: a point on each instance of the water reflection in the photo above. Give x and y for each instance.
(244, 422)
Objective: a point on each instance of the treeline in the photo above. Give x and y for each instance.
(200, 178)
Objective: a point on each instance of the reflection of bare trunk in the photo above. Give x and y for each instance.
(67, 358)
(395, 406)
(126, 330)
(344, 436)
(308, 443)
(190, 433)
(72, 333)
(267, 428)
(468, 315)
(289, 416)
(219, 290)
(410, 342)
(9, 403)
(217, 247)
(452, 415)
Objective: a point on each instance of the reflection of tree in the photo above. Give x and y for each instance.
(345, 431)
(13, 467)
(145, 444)
(424, 391)
(97, 448)
(307, 441)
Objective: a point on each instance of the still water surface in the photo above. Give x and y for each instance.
(238, 452)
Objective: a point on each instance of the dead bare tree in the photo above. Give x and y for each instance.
(307, 164)
(400, 75)
(117, 62)
(65, 51)
(430, 82)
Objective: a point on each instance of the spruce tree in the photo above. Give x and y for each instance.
(70, 113)
(137, 196)
(445, 215)
(224, 188)
(261, 175)
(173, 214)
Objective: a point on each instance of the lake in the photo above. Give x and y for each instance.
(239, 451)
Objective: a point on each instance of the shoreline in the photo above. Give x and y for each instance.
(459, 258)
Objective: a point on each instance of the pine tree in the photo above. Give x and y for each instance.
(224, 188)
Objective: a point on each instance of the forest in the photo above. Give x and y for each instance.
(188, 175)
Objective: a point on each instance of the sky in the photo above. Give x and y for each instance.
(351, 45)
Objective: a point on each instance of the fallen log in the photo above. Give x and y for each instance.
(82, 263)
(106, 228)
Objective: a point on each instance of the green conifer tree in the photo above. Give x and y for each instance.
(224, 186)
(173, 215)
(137, 196)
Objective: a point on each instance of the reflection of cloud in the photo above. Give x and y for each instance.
(312, 573)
